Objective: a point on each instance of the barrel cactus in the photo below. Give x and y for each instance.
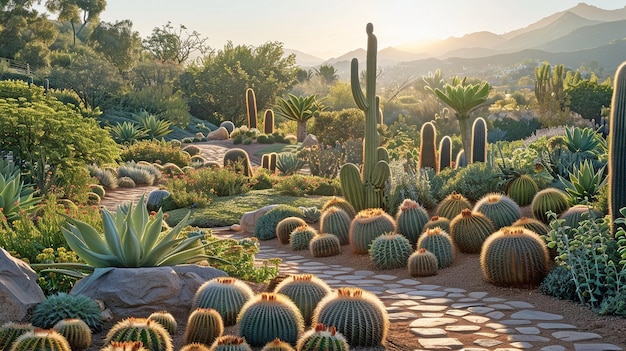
(230, 343)
(286, 226)
(76, 332)
(500, 209)
(226, 295)
(301, 236)
(151, 334)
(166, 319)
(422, 263)
(10, 331)
(196, 346)
(336, 221)
(306, 291)
(514, 256)
(124, 346)
(269, 316)
(277, 345)
(367, 226)
(522, 189)
(452, 205)
(532, 224)
(357, 314)
(390, 250)
(437, 221)
(550, 199)
(340, 203)
(321, 337)
(469, 230)
(577, 213)
(204, 325)
(325, 245)
(239, 157)
(155, 199)
(411, 219)
(41, 339)
(428, 146)
(265, 227)
(439, 243)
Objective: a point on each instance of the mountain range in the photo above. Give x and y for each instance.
(574, 37)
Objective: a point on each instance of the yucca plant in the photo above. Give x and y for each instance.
(127, 133)
(14, 195)
(584, 183)
(288, 163)
(132, 238)
(154, 127)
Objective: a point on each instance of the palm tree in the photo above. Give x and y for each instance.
(299, 109)
(464, 98)
(327, 73)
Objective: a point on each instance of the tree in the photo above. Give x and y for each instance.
(340, 97)
(587, 98)
(299, 109)
(327, 73)
(303, 75)
(117, 42)
(22, 25)
(70, 10)
(167, 44)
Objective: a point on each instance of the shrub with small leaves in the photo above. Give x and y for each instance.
(559, 283)
(422, 263)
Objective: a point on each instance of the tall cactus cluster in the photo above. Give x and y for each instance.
(366, 189)
(617, 145)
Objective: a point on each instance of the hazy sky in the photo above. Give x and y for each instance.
(327, 28)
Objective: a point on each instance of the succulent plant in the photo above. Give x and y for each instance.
(422, 263)
(445, 153)
(439, 243)
(268, 161)
(336, 221)
(532, 224)
(390, 250)
(195, 346)
(155, 199)
(166, 319)
(522, 189)
(452, 205)
(151, 334)
(341, 204)
(124, 346)
(10, 331)
(269, 316)
(321, 337)
(300, 237)
(437, 221)
(616, 149)
(325, 245)
(229, 125)
(577, 213)
(549, 199)
(265, 227)
(251, 108)
(204, 325)
(237, 156)
(41, 339)
(357, 314)
(76, 332)
(311, 214)
(277, 345)
(469, 230)
(227, 295)
(500, 209)
(306, 291)
(410, 220)
(366, 226)
(230, 343)
(428, 146)
(479, 141)
(288, 163)
(514, 256)
(61, 306)
(286, 226)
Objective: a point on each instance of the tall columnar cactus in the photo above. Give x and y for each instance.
(286, 226)
(204, 325)
(301, 236)
(549, 199)
(445, 153)
(514, 256)
(321, 337)
(390, 251)
(366, 189)
(151, 334)
(230, 343)
(437, 221)
(522, 189)
(306, 291)
(166, 319)
(452, 205)
(500, 209)
(469, 230)
(422, 263)
(325, 245)
(337, 222)
(269, 316)
(41, 339)
(367, 226)
(277, 345)
(479, 141)
(240, 157)
(357, 314)
(340, 203)
(439, 243)
(76, 332)
(428, 146)
(617, 146)
(268, 122)
(10, 331)
(227, 295)
(411, 219)
(251, 108)
(461, 160)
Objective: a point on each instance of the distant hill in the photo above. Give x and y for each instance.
(304, 59)
(587, 37)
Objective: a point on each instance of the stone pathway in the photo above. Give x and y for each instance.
(439, 314)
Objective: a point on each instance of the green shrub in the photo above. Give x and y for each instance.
(153, 151)
(265, 227)
(330, 127)
(301, 185)
(323, 160)
(140, 174)
(197, 188)
(473, 181)
(559, 283)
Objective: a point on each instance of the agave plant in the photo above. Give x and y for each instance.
(14, 195)
(155, 128)
(288, 163)
(132, 238)
(127, 133)
(584, 183)
(584, 140)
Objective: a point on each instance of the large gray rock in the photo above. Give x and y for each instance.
(310, 141)
(220, 133)
(19, 290)
(137, 292)
(249, 219)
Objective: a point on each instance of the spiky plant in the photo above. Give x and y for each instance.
(227, 295)
(41, 339)
(437, 221)
(500, 209)
(439, 243)
(522, 189)
(166, 319)
(277, 345)
(306, 291)
(76, 332)
(204, 325)
(469, 230)
(286, 226)
(61, 306)
(340, 203)
(336, 221)
(151, 334)
(357, 314)
(390, 250)
(324, 245)
(410, 219)
(367, 226)
(230, 343)
(550, 199)
(124, 346)
(10, 331)
(422, 263)
(532, 224)
(265, 227)
(195, 346)
(321, 337)
(301, 236)
(452, 205)
(577, 213)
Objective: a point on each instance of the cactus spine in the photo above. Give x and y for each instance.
(306, 291)
(230, 343)
(251, 108)
(325, 245)
(41, 339)
(358, 314)
(411, 219)
(366, 190)
(151, 334)
(322, 338)
(76, 332)
(390, 250)
(617, 146)
(240, 157)
(204, 325)
(479, 141)
(469, 231)
(341, 204)
(268, 122)
(422, 263)
(428, 146)
(367, 226)
(277, 345)
(452, 205)
(445, 153)
(166, 320)
(336, 221)
(439, 243)
(286, 226)
(10, 331)
(124, 346)
(500, 209)
(522, 189)
(226, 295)
(301, 236)
(437, 221)
(549, 199)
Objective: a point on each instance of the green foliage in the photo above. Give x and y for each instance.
(422, 263)
(302, 185)
(311, 214)
(61, 306)
(584, 142)
(265, 227)
(16, 198)
(337, 222)
(76, 332)
(587, 98)
(151, 334)
(473, 181)
(390, 251)
(155, 128)
(366, 226)
(155, 151)
(199, 187)
(306, 291)
(126, 182)
(127, 133)
(300, 237)
(204, 325)
(288, 163)
(105, 177)
(410, 219)
(469, 230)
(321, 337)
(324, 245)
(41, 339)
(516, 129)
(559, 283)
(439, 243)
(10, 331)
(584, 183)
(50, 281)
(324, 161)
(409, 183)
(338, 126)
(500, 209)
(226, 295)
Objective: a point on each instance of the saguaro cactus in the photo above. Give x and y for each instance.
(617, 145)
(428, 146)
(251, 108)
(479, 140)
(366, 189)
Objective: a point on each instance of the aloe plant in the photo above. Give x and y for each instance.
(584, 183)
(127, 133)
(14, 195)
(154, 127)
(132, 238)
(288, 163)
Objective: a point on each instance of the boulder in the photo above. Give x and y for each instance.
(310, 140)
(248, 220)
(220, 133)
(138, 292)
(19, 290)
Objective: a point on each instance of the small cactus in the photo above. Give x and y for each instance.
(410, 219)
(239, 156)
(306, 291)
(300, 237)
(325, 245)
(439, 243)
(322, 338)
(452, 205)
(340, 203)
(41, 339)
(479, 141)
(577, 213)
(336, 221)
(155, 199)
(469, 230)
(367, 226)
(422, 263)
(166, 320)
(10, 331)
(203, 326)
(286, 226)
(390, 250)
(500, 209)
(269, 316)
(226, 295)
(550, 199)
(151, 334)
(230, 343)
(437, 221)
(76, 332)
